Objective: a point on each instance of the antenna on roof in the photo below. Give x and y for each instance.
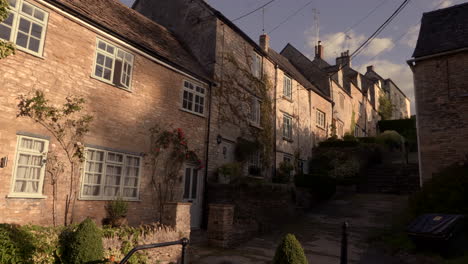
(316, 23)
(263, 20)
(347, 42)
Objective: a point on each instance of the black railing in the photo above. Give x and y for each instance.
(344, 244)
(184, 242)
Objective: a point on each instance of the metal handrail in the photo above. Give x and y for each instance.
(184, 242)
(344, 244)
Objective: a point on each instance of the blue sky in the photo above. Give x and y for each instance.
(388, 52)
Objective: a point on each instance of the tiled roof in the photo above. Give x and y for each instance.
(286, 66)
(135, 29)
(307, 68)
(443, 30)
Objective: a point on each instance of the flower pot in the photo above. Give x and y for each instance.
(120, 221)
(224, 178)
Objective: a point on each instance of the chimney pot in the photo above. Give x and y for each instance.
(319, 50)
(265, 42)
(370, 68)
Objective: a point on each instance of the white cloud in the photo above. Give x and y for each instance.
(411, 37)
(401, 75)
(335, 43)
(442, 3)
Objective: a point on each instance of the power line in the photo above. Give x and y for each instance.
(380, 29)
(291, 16)
(359, 22)
(253, 11)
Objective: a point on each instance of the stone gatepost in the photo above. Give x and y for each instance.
(220, 225)
(177, 216)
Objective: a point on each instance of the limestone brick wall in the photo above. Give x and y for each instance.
(442, 106)
(121, 118)
(342, 113)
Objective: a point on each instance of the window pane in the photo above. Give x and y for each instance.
(22, 40)
(102, 45)
(36, 30)
(110, 49)
(108, 62)
(9, 20)
(100, 59)
(99, 71)
(107, 74)
(24, 25)
(34, 44)
(12, 3)
(39, 14)
(27, 9)
(187, 183)
(194, 184)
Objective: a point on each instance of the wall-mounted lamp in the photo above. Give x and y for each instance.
(219, 139)
(3, 162)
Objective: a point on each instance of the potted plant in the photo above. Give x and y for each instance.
(117, 212)
(228, 172)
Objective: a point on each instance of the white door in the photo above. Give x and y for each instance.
(193, 186)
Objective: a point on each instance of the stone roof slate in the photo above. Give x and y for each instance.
(135, 29)
(443, 30)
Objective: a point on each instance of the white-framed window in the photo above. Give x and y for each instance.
(342, 99)
(193, 98)
(255, 113)
(108, 175)
(287, 87)
(191, 180)
(356, 131)
(257, 65)
(320, 119)
(25, 26)
(287, 127)
(361, 109)
(29, 169)
(254, 163)
(113, 65)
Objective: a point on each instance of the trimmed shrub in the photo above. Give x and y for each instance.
(391, 139)
(444, 193)
(283, 173)
(85, 244)
(290, 251)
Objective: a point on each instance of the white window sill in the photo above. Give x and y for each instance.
(256, 125)
(322, 128)
(26, 196)
(112, 84)
(191, 112)
(289, 99)
(106, 199)
(37, 55)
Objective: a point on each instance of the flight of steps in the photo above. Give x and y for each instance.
(391, 179)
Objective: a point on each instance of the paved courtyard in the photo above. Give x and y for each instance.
(319, 232)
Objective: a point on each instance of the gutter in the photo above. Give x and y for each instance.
(275, 119)
(77, 17)
(207, 150)
(412, 62)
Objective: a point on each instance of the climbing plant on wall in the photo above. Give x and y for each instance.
(385, 107)
(6, 48)
(168, 153)
(68, 125)
(234, 96)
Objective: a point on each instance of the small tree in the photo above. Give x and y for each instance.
(6, 48)
(68, 126)
(168, 152)
(385, 107)
(290, 251)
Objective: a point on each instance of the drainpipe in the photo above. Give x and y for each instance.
(274, 120)
(204, 224)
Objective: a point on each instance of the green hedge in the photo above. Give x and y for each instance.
(290, 251)
(405, 127)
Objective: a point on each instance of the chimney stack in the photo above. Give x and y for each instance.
(370, 68)
(344, 59)
(265, 42)
(319, 50)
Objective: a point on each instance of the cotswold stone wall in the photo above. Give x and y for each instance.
(121, 118)
(441, 91)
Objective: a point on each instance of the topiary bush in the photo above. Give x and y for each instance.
(85, 244)
(283, 173)
(290, 251)
(391, 139)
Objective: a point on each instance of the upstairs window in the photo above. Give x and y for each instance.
(108, 175)
(113, 65)
(25, 26)
(257, 65)
(193, 98)
(287, 87)
(361, 109)
(342, 99)
(320, 119)
(254, 114)
(287, 127)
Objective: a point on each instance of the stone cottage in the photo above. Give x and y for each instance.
(133, 74)
(300, 114)
(439, 67)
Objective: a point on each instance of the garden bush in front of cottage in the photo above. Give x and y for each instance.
(85, 244)
(290, 251)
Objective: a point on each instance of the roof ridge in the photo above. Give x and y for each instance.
(445, 9)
